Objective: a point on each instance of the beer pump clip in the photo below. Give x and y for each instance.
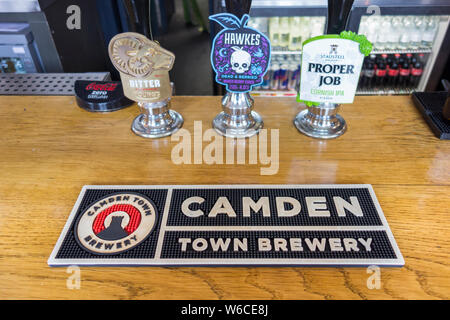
(144, 70)
(331, 65)
(240, 57)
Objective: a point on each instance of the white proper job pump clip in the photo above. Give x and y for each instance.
(331, 65)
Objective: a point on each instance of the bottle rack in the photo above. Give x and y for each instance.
(377, 92)
(274, 93)
(279, 50)
(359, 92)
(287, 52)
(401, 51)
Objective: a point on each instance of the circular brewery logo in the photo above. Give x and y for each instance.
(116, 223)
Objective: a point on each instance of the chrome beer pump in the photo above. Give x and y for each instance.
(144, 69)
(232, 65)
(322, 121)
(238, 119)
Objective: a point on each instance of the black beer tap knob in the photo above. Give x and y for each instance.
(138, 12)
(238, 7)
(338, 13)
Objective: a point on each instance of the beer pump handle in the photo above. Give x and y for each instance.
(238, 7)
(144, 70)
(238, 119)
(138, 12)
(338, 13)
(322, 120)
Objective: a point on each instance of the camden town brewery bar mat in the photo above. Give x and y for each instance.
(236, 225)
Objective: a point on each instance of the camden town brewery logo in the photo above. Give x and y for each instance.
(116, 223)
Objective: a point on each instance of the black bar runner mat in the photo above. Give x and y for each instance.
(235, 225)
(431, 105)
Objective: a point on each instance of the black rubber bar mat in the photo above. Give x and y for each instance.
(235, 225)
(430, 104)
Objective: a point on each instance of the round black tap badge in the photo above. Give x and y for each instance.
(116, 223)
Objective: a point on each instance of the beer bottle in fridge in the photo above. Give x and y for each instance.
(416, 74)
(392, 76)
(380, 75)
(403, 76)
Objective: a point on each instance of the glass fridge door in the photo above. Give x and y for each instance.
(408, 38)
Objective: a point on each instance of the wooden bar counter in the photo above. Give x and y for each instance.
(50, 148)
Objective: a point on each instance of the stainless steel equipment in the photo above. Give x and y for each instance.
(238, 120)
(322, 121)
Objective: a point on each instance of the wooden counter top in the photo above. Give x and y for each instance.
(50, 148)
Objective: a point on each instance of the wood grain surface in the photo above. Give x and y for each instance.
(50, 148)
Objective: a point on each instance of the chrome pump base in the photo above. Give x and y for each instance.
(321, 121)
(156, 120)
(238, 120)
